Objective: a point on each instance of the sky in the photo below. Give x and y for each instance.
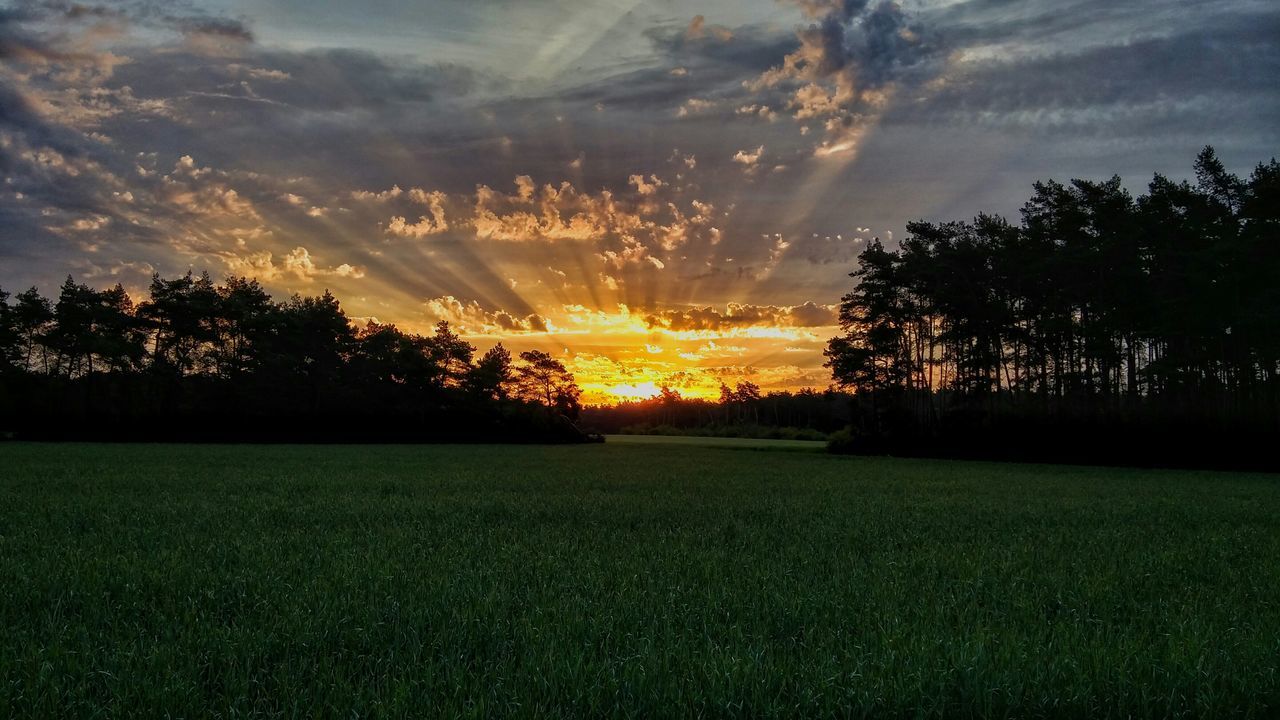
(655, 191)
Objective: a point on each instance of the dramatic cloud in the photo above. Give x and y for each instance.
(848, 66)
(471, 318)
(749, 159)
(653, 196)
(433, 223)
(296, 265)
(736, 315)
(624, 229)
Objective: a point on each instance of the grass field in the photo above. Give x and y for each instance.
(643, 579)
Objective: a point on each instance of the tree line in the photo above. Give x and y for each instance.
(1102, 326)
(200, 360)
(740, 411)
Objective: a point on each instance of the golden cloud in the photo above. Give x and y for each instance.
(738, 315)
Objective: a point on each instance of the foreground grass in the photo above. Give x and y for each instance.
(642, 580)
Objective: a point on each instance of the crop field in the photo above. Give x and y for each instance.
(643, 579)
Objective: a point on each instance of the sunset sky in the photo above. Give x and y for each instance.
(657, 192)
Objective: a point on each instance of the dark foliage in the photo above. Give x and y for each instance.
(1103, 328)
(741, 411)
(198, 361)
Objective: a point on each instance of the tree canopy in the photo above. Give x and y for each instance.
(198, 359)
(1156, 316)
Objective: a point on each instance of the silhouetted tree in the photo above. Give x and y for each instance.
(669, 396)
(243, 324)
(872, 356)
(94, 331)
(199, 360)
(543, 379)
(491, 375)
(741, 412)
(32, 322)
(451, 354)
(181, 318)
(10, 352)
(1097, 308)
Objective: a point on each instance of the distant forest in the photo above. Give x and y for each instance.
(199, 361)
(1102, 328)
(740, 411)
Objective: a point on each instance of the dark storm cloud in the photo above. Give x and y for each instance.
(320, 80)
(650, 90)
(1234, 59)
(846, 65)
(18, 43)
(184, 17)
(335, 79)
(840, 9)
(1081, 22)
(827, 249)
(294, 132)
(76, 10)
(15, 111)
(705, 66)
(750, 49)
(51, 164)
(256, 107)
(218, 27)
(889, 42)
(873, 43)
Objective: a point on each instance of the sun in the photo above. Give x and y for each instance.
(637, 391)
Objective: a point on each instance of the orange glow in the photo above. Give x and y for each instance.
(638, 391)
(619, 353)
(616, 355)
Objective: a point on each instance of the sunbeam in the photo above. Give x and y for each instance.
(598, 181)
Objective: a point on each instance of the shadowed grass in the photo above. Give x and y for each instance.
(636, 580)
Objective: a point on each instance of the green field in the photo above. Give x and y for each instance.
(642, 579)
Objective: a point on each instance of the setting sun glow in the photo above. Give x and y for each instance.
(657, 195)
(639, 391)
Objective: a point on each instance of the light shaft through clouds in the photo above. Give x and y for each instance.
(657, 192)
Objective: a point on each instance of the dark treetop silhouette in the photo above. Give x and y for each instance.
(741, 411)
(201, 361)
(1102, 328)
